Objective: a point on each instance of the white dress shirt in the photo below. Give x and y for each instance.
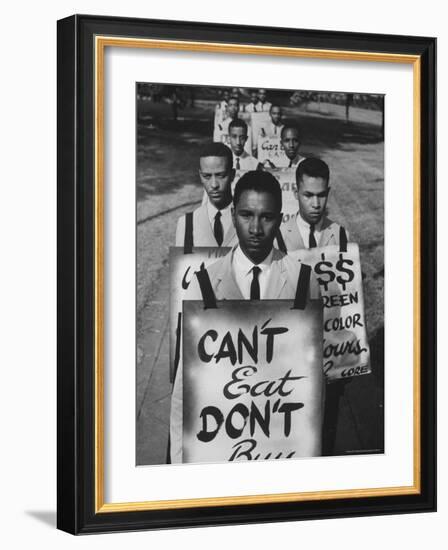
(242, 269)
(304, 230)
(226, 216)
(247, 162)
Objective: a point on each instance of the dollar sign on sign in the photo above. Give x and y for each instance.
(348, 273)
(329, 275)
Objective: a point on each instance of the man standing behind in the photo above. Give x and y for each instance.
(274, 127)
(233, 107)
(211, 223)
(290, 139)
(252, 106)
(310, 227)
(263, 104)
(252, 270)
(237, 140)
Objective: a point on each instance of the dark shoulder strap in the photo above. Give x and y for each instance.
(208, 296)
(303, 287)
(342, 239)
(281, 242)
(188, 239)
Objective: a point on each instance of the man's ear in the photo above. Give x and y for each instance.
(232, 174)
(232, 211)
(279, 220)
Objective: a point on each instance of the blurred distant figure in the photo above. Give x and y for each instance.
(222, 128)
(252, 106)
(274, 127)
(263, 104)
(290, 139)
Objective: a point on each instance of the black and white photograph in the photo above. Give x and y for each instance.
(260, 273)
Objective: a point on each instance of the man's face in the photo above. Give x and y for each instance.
(262, 95)
(276, 115)
(237, 137)
(233, 107)
(291, 142)
(216, 177)
(254, 97)
(313, 196)
(256, 219)
(225, 95)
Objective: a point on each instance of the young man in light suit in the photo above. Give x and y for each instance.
(252, 270)
(263, 105)
(211, 223)
(252, 106)
(291, 141)
(237, 139)
(310, 227)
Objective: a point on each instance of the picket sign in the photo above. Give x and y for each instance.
(346, 351)
(271, 148)
(257, 122)
(183, 263)
(252, 380)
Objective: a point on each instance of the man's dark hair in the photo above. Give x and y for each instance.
(216, 149)
(238, 123)
(314, 168)
(290, 127)
(260, 181)
(279, 106)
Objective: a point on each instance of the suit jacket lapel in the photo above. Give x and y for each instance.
(230, 236)
(226, 287)
(327, 233)
(294, 238)
(203, 230)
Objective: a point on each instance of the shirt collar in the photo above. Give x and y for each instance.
(305, 225)
(244, 265)
(211, 209)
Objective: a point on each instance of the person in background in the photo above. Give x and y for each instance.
(291, 141)
(237, 140)
(233, 107)
(274, 127)
(263, 104)
(310, 227)
(211, 223)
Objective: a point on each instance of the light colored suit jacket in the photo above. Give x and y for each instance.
(293, 239)
(203, 231)
(282, 285)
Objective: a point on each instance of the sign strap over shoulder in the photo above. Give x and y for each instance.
(188, 238)
(342, 239)
(303, 287)
(208, 296)
(281, 242)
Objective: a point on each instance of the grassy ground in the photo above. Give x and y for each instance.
(168, 186)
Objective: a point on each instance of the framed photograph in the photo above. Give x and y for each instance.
(246, 274)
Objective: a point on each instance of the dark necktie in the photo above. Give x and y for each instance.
(255, 285)
(217, 229)
(313, 243)
(237, 167)
(290, 164)
(255, 108)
